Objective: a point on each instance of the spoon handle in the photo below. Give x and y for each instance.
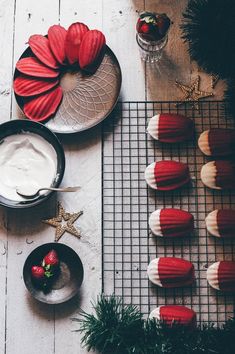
(65, 189)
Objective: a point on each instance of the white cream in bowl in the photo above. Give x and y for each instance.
(26, 159)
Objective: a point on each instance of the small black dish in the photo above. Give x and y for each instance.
(67, 282)
(18, 126)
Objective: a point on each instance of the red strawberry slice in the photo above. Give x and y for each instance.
(51, 259)
(167, 175)
(41, 49)
(56, 36)
(37, 272)
(171, 222)
(221, 223)
(33, 67)
(91, 48)
(217, 142)
(170, 128)
(171, 272)
(221, 276)
(219, 174)
(175, 314)
(73, 41)
(27, 86)
(44, 106)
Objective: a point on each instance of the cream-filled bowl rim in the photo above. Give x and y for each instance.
(19, 126)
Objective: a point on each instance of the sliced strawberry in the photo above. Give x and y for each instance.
(44, 106)
(56, 36)
(51, 259)
(91, 48)
(73, 41)
(26, 86)
(38, 272)
(41, 48)
(33, 67)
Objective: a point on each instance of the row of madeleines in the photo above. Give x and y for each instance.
(167, 175)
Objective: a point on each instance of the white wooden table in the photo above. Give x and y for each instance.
(27, 326)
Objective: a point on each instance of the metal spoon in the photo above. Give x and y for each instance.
(31, 195)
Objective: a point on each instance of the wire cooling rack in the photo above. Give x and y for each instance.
(128, 244)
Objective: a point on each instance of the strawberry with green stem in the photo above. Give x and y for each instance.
(152, 26)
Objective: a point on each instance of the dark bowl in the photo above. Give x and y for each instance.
(69, 279)
(21, 125)
(86, 103)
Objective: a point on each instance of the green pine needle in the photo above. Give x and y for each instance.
(208, 27)
(115, 328)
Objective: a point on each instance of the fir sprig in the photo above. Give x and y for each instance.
(115, 328)
(208, 27)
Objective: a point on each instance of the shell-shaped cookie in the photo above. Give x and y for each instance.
(170, 127)
(167, 175)
(219, 174)
(221, 276)
(170, 272)
(217, 142)
(171, 222)
(221, 223)
(174, 314)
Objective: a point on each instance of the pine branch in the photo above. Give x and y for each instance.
(115, 328)
(208, 27)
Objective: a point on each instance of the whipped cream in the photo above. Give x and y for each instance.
(26, 159)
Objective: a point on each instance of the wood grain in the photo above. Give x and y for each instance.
(6, 48)
(27, 326)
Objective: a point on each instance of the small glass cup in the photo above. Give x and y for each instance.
(151, 51)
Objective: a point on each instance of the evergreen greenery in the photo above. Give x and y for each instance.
(115, 328)
(208, 27)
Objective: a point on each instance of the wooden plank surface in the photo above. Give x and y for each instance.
(27, 326)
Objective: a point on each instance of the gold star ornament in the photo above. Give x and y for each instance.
(192, 93)
(63, 222)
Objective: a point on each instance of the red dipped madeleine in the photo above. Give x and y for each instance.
(167, 175)
(42, 107)
(56, 36)
(221, 276)
(171, 222)
(91, 47)
(175, 314)
(170, 128)
(221, 223)
(27, 86)
(219, 174)
(217, 142)
(73, 40)
(41, 48)
(33, 67)
(171, 272)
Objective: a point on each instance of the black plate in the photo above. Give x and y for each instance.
(21, 125)
(69, 279)
(87, 99)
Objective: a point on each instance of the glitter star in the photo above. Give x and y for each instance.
(63, 222)
(192, 93)
(214, 80)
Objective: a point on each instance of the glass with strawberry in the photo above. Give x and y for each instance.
(152, 35)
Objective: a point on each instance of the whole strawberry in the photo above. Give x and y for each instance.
(152, 26)
(51, 260)
(38, 273)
